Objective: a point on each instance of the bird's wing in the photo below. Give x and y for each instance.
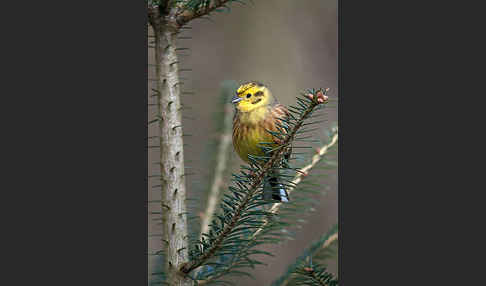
(280, 111)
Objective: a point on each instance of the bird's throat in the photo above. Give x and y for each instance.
(255, 116)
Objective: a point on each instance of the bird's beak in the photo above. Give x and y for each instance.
(236, 99)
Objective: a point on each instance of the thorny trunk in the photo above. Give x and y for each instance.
(174, 219)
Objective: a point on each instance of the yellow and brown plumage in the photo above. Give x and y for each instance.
(256, 112)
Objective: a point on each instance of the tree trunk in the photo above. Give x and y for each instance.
(174, 219)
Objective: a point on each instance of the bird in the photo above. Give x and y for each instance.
(256, 111)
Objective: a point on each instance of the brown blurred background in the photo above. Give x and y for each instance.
(288, 45)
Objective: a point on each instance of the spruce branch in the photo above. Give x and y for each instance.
(221, 161)
(187, 10)
(317, 247)
(299, 176)
(239, 211)
(330, 240)
(314, 275)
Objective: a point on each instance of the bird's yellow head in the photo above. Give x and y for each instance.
(252, 95)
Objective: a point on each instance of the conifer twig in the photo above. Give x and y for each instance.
(324, 242)
(315, 275)
(221, 161)
(180, 15)
(330, 240)
(305, 110)
(303, 172)
(257, 179)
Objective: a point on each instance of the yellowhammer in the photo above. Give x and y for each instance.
(256, 112)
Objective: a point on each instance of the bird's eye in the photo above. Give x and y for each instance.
(248, 95)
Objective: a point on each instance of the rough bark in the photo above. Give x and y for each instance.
(174, 219)
(166, 21)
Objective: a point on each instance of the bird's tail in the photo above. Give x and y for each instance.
(274, 190)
